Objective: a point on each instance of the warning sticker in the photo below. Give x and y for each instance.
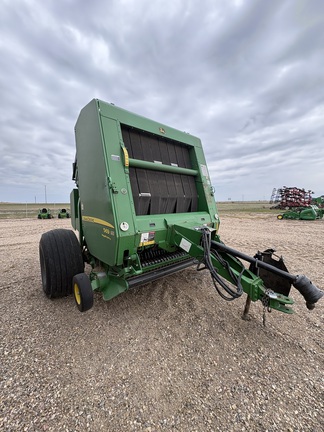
(204, 170)
(147, 238)
(185, 245)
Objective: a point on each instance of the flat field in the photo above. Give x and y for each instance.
(27, 210)
(168, 356)
(30, 210)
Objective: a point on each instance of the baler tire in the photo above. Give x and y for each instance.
(60, 258)
(82, 291)
(280, 217)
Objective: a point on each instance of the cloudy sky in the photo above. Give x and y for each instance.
(245, 76)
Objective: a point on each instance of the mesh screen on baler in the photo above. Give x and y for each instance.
(157, 192)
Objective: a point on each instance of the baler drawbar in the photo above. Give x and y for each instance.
(144, 208)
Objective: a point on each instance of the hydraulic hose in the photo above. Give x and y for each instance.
(217, 279)
(307, 289)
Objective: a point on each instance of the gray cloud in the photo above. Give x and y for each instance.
(245, 76)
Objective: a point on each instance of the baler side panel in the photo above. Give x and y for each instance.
(120, 190)
(204, 186)
(96, 204)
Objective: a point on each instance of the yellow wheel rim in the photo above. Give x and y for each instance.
(77, 295)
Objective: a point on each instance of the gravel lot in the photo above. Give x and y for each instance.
(171, 355)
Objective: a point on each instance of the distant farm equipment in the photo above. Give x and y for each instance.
(63, 213)
(290, 197)
(303, 213)
(45, 213)
(298, 203)
(319, 201)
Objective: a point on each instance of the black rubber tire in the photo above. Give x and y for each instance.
(280, 217)
(60, 259)
(82, 291)
(59, 216)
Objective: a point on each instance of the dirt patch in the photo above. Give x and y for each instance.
(171, 355)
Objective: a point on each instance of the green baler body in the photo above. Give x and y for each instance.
(144, 208)
(135, 178)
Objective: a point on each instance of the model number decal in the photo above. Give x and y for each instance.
(97, 221)
(108, 231)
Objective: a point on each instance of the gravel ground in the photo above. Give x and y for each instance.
(171, 355)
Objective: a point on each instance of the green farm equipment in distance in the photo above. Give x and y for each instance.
(144, 208)
(311, 212)
(318, 201)
(45, 213)
(63, 214)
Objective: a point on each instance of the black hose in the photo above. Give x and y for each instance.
(257, 262)
(217, 279)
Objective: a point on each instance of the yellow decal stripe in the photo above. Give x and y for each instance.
(151, 242)
(97, 221)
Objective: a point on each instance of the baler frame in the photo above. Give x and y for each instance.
(144, 208)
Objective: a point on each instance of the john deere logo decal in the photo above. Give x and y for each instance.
(162, 130)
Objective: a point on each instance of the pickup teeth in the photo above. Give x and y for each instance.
(159, 256)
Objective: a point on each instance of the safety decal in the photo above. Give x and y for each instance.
(147, 238)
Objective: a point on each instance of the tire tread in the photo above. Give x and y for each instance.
(61, 256)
